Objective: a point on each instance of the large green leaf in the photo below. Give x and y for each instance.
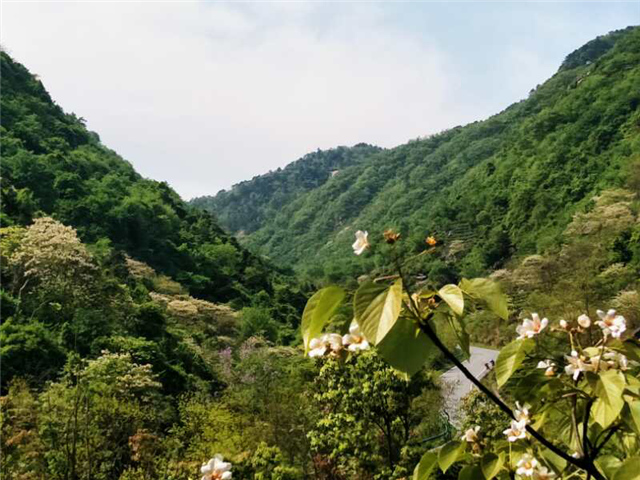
(377, 308)
(449, 454)
(491, 464)
(631, 413)
(406, 347)
(608, 465)
(632, 349)
(556, 461)
(427, 463)
(628, 470)
(609, 401)
(489, 292)
(471, 472)
(454, 298)
(510, 358)
(318, 311)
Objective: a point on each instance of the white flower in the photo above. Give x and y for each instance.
(361, 243)
(611, 324)
(216, 469)
(563, 324)
(522, 412)
(543, 473)
(516, 431)
(549, 366)
(329, 342)
(615, 360)
(354, 339)
(584, 321)
(576, 365)
(317, 347)
(526, 466)
(531, 327)
(471, 435)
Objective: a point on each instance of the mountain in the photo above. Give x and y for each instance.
(503, 187)
(53, 166)
(253, 203)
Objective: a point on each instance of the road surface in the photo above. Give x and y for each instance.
(459, 386)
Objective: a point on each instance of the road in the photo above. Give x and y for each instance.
(458, 385)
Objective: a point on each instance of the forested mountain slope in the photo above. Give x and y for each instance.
(52, 165)
(254, 203)
(507, 185)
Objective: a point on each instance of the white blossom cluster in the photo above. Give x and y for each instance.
(333, 343)
(529, 467)
(592, 359)
(216, 469)
(518, 428)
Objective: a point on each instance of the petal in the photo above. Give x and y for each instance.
(226, 476)
(601, 314)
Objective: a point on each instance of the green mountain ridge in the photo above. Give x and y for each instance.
(52, 165)
(248, 205)
(502, 187)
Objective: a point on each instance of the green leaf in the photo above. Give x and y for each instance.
(318, 311)
(377, 308)
(427, 463)
(491, 465)
(510, 358)
(556, 461)
(608, 465)
(631, 414)
(471, 472)
(609, 401)
(406, 347)
(454, 298)
(632, 349)
(489, 292)
(628, 470)
(449, 454)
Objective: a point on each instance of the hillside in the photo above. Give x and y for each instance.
(253, 203)
(94, 256)
(52, 165)
(505, 186)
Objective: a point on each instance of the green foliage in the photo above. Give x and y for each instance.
(318, 312)
(28, 350)
(251, 204)
(53, 166)
(372, 415)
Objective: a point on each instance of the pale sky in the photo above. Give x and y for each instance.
(206, 94)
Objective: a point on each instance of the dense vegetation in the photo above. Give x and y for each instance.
(501, 188)
(52, 165)
(253, 203)
(138, 339)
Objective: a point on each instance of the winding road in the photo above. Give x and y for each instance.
(459, 385)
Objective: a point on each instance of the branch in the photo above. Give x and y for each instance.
(578, 462)
(584, 463)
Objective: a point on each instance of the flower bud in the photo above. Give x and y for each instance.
(584, 321)
(391, 236)
(431, 241)
(564, 324)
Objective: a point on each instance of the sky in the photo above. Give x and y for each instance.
(204, 95)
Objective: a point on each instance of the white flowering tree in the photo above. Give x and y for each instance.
(572, 387)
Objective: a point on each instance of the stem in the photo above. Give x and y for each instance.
(585, 424)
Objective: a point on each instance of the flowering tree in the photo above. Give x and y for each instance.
(575, 387)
